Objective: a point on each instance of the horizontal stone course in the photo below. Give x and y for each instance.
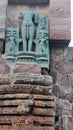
(26, 78)
(26, 102)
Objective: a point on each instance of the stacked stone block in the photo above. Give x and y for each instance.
(26, 102)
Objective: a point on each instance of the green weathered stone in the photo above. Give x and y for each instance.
(42, 42)
(34, 31)
(28, 29)
(11, 42)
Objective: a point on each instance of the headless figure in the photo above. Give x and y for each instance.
(30, 18)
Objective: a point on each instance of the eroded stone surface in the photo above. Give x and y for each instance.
(36, 69)
(26, 102)
(62, 72)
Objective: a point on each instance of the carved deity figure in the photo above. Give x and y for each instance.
(28, 29)
(42, 36)
(12, 40)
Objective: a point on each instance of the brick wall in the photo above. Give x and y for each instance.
(26, 102)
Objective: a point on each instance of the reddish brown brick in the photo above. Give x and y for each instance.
(45, 112)
(27, 68)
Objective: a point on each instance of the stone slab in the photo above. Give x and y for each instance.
(39, 120)
(26, 78)
(60, 21)
(22, 88)
(27, 68)
(43, 112)
(27, 96)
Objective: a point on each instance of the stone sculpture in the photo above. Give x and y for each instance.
(34, 30)
(12, 40)
(11, 43)
(42, 41)
(30, 18)
(42, 36)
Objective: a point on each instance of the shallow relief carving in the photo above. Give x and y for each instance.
(11, 43)
(33, 45)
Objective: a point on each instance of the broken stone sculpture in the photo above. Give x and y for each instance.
(34, 31)
(28, 29)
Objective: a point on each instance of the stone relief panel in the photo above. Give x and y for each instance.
(29, 43)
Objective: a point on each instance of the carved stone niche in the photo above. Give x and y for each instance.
(34, 34)
(29, 2)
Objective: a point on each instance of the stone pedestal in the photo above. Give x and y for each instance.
(10, 57)
(26, 58)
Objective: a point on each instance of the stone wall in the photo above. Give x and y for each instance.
(61, 69)
(26, 102)
(57, 11)
(15, 92)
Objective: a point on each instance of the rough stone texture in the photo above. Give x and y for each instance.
(27, 68)
(61, 69)
(4, 68)
(26, 102)
(64, 119)
(3, 7)
(60, 20)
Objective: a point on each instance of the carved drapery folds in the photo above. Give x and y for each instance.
(33, 45)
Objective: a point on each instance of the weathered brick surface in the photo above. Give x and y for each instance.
(43, 112)
(35, 89)
(26, 102)
(27, 96)
(27, 78)
(4, 68)
(27, 68)
(44, 120)
(44, 104)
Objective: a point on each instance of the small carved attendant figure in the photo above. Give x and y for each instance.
(12, 40)
(30, 18)
(42, 36)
